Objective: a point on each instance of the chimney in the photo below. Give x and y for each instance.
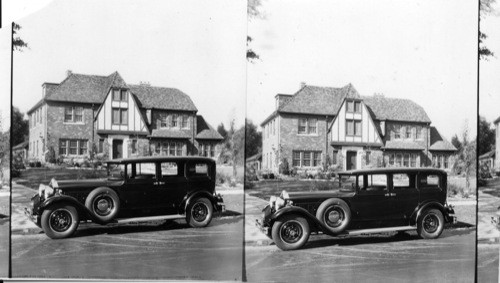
(282, 99)
(302, 84)
(68, 73)
(144, 83)
(47, 88)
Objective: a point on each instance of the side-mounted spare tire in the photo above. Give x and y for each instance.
(335, 214)
(199, 213)
(103, 203)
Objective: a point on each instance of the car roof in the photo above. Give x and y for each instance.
(395, 170)
(161, 158)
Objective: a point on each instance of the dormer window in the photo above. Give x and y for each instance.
(120, 95)
(174, 122)
(353, 106)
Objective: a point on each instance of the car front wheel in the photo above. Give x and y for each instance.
(60, 221)
(430, 224)
(290, 232)
(199, 213)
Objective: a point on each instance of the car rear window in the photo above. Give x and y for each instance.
(145, 170)
(403, 181)
(198, 169)
(429, 181)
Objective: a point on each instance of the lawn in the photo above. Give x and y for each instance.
(492, 187)
(265, 189)
(457, 186)
(32, 178)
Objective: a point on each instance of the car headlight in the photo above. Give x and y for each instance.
(280, 203)
(48, 192)
(272, 201)
(53, 183)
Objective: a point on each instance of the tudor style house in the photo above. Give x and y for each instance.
(116, 120)
(497, 146)
(320, 126)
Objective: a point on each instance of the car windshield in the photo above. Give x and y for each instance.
(116, 171)
(347, 182)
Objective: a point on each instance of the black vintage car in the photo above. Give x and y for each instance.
(365, 202)
(136, 190)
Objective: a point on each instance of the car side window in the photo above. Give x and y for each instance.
(430, 181)
(198, 169)
(403, 181)
(169, 169)
(376, 182)
(143, 171)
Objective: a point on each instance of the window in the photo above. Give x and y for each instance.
(391, 159)
(171, 148)
(145, 170)
(413, 160)
(212, 151)
(120, 116)
(73, 114)
(429, 181)
(438, 161)
(357, 107)
(367, 157)
(317, 159)
(418, 132)
(399, 158)
(445, 162)
(353, 128)
(169, 169)
(63, 147)
(198, 169)
(408, 132)
(374, 183)
(308, 126)
(163, 121)
(335, 157)
(307, 159)
(134, 146)
(184, 121)
(397, 131)
(82, 148)
(100, 148)
(354, 106)
(296, 158)
(406, 160)
(120, 95)
(73, 147)
(403, 181)
(174, 122)
(302, 125)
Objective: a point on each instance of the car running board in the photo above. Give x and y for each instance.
(380, 230)
(149, 218)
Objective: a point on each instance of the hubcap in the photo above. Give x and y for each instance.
(291, 231)
(431, 223)
(334, 217)
(60, 220)
(199, 212)
(103, 205)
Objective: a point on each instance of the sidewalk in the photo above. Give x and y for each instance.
(487, 208)
(21, 196)
(253, 210)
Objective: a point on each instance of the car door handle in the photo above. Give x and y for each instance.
(390, 195)
(159, 183)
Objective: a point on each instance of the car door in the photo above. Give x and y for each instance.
(140, 191)
(373, 200)
(432, 187)
(404, 194)
(199, 176)
(172, 186)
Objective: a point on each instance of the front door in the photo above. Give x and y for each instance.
(117, 149)
(351, 160)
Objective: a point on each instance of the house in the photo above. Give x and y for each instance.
(327, 126)
(487, 160)
(21, 150)
(497, 145)
(104, 115)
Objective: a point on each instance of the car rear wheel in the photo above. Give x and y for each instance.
(199, 213)
(103, 203)
(60, 221)
(430, 224)
(335, 214)
(290, 232)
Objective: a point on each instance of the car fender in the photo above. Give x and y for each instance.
(424, 206)
(302, 212)
(82, 210)
(189, 198)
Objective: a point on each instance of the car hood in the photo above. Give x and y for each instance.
(320, 195)
(88, 183)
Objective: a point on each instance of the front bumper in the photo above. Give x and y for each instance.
(34, 218)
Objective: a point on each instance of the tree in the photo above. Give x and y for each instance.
(222, 131)
(253, 139)
(252, 12)
(466, 159)
(455, 141)
(17, 43)
(234, 146)
(486, 136)
(20, 127)
(485, 8)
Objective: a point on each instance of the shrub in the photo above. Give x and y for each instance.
(284, 167)
(50, 156)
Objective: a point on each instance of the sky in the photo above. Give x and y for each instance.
(196, 46)
(489, 70)
(425, 51)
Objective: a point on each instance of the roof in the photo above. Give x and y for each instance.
(171, 133)
(400, 144)
(395, 170)
(161, 158)
(162, 98)
(489, 154)
(439, 143)
(257, 156)
(22, 145)
(395, 109)
(205, 131)
(317, 100)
